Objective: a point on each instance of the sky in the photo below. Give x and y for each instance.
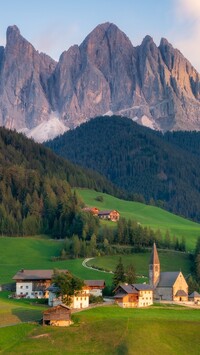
(52, 26)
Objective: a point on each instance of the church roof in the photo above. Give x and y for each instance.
(154, 256)
(167, 279)
(180, 293)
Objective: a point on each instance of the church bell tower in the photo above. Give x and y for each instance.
(154, 267)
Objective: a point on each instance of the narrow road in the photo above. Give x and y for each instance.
(84, 264)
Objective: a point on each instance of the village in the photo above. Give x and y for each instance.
(163, 287)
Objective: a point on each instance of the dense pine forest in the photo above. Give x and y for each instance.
(35, 188)
(151, 167)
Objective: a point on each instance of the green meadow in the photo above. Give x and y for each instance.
(110, 330)
(150, 216)
(36, 253)
(169, 261)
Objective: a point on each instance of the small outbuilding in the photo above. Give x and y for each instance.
(58, 316)
(195, 297)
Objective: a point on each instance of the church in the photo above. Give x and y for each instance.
(167, 286)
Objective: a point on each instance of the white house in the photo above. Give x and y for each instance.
(95, 287)
(134, 295)
(33, 283)
(78, 301)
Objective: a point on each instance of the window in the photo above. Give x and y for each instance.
(26, 286)
(21, 286)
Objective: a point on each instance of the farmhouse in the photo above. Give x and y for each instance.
(33, 283)
(110, 215)
(95, 286)
(135, 295)
(168, 286)
(57, 316)
(78, 301)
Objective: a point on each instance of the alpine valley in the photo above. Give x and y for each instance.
(154, 86)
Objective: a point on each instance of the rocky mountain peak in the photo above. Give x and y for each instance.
(155, 86)
(105, 36)
(12, 31)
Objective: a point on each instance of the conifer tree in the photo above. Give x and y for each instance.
(119, 274)
(130, 274)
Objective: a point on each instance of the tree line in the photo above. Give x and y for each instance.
(35, 188)
(88, 238)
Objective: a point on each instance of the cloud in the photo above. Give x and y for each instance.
(188, 8)
(187, 38)
(57, 38)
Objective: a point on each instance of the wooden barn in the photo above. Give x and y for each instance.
(58, 316)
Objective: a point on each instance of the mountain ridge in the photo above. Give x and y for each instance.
(164, 168)
(153, 85)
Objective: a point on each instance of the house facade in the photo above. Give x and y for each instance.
(95, 287)
(33, 283)
(110, 215)
(78, 301)
(134, 295)
(168, 286)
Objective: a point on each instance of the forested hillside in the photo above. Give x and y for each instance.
(164, 169)
(35, 193)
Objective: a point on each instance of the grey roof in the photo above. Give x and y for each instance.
(154, 256)
(142, 287)
(120, 295)
(194, 294)
(167, 279)
(180, 293)
(35, 274)
(106, 212)
(127, 288)
(94, 283)
(53, 288)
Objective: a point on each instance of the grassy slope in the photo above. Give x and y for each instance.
(17, 311)
(36, 253)
(128, 331)
(170, 261)
(153, 217)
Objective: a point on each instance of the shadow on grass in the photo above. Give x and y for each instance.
(27, 315)
(122, 349)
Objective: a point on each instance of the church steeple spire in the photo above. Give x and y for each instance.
(154, 267)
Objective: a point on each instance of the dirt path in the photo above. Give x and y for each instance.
(84, 264)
